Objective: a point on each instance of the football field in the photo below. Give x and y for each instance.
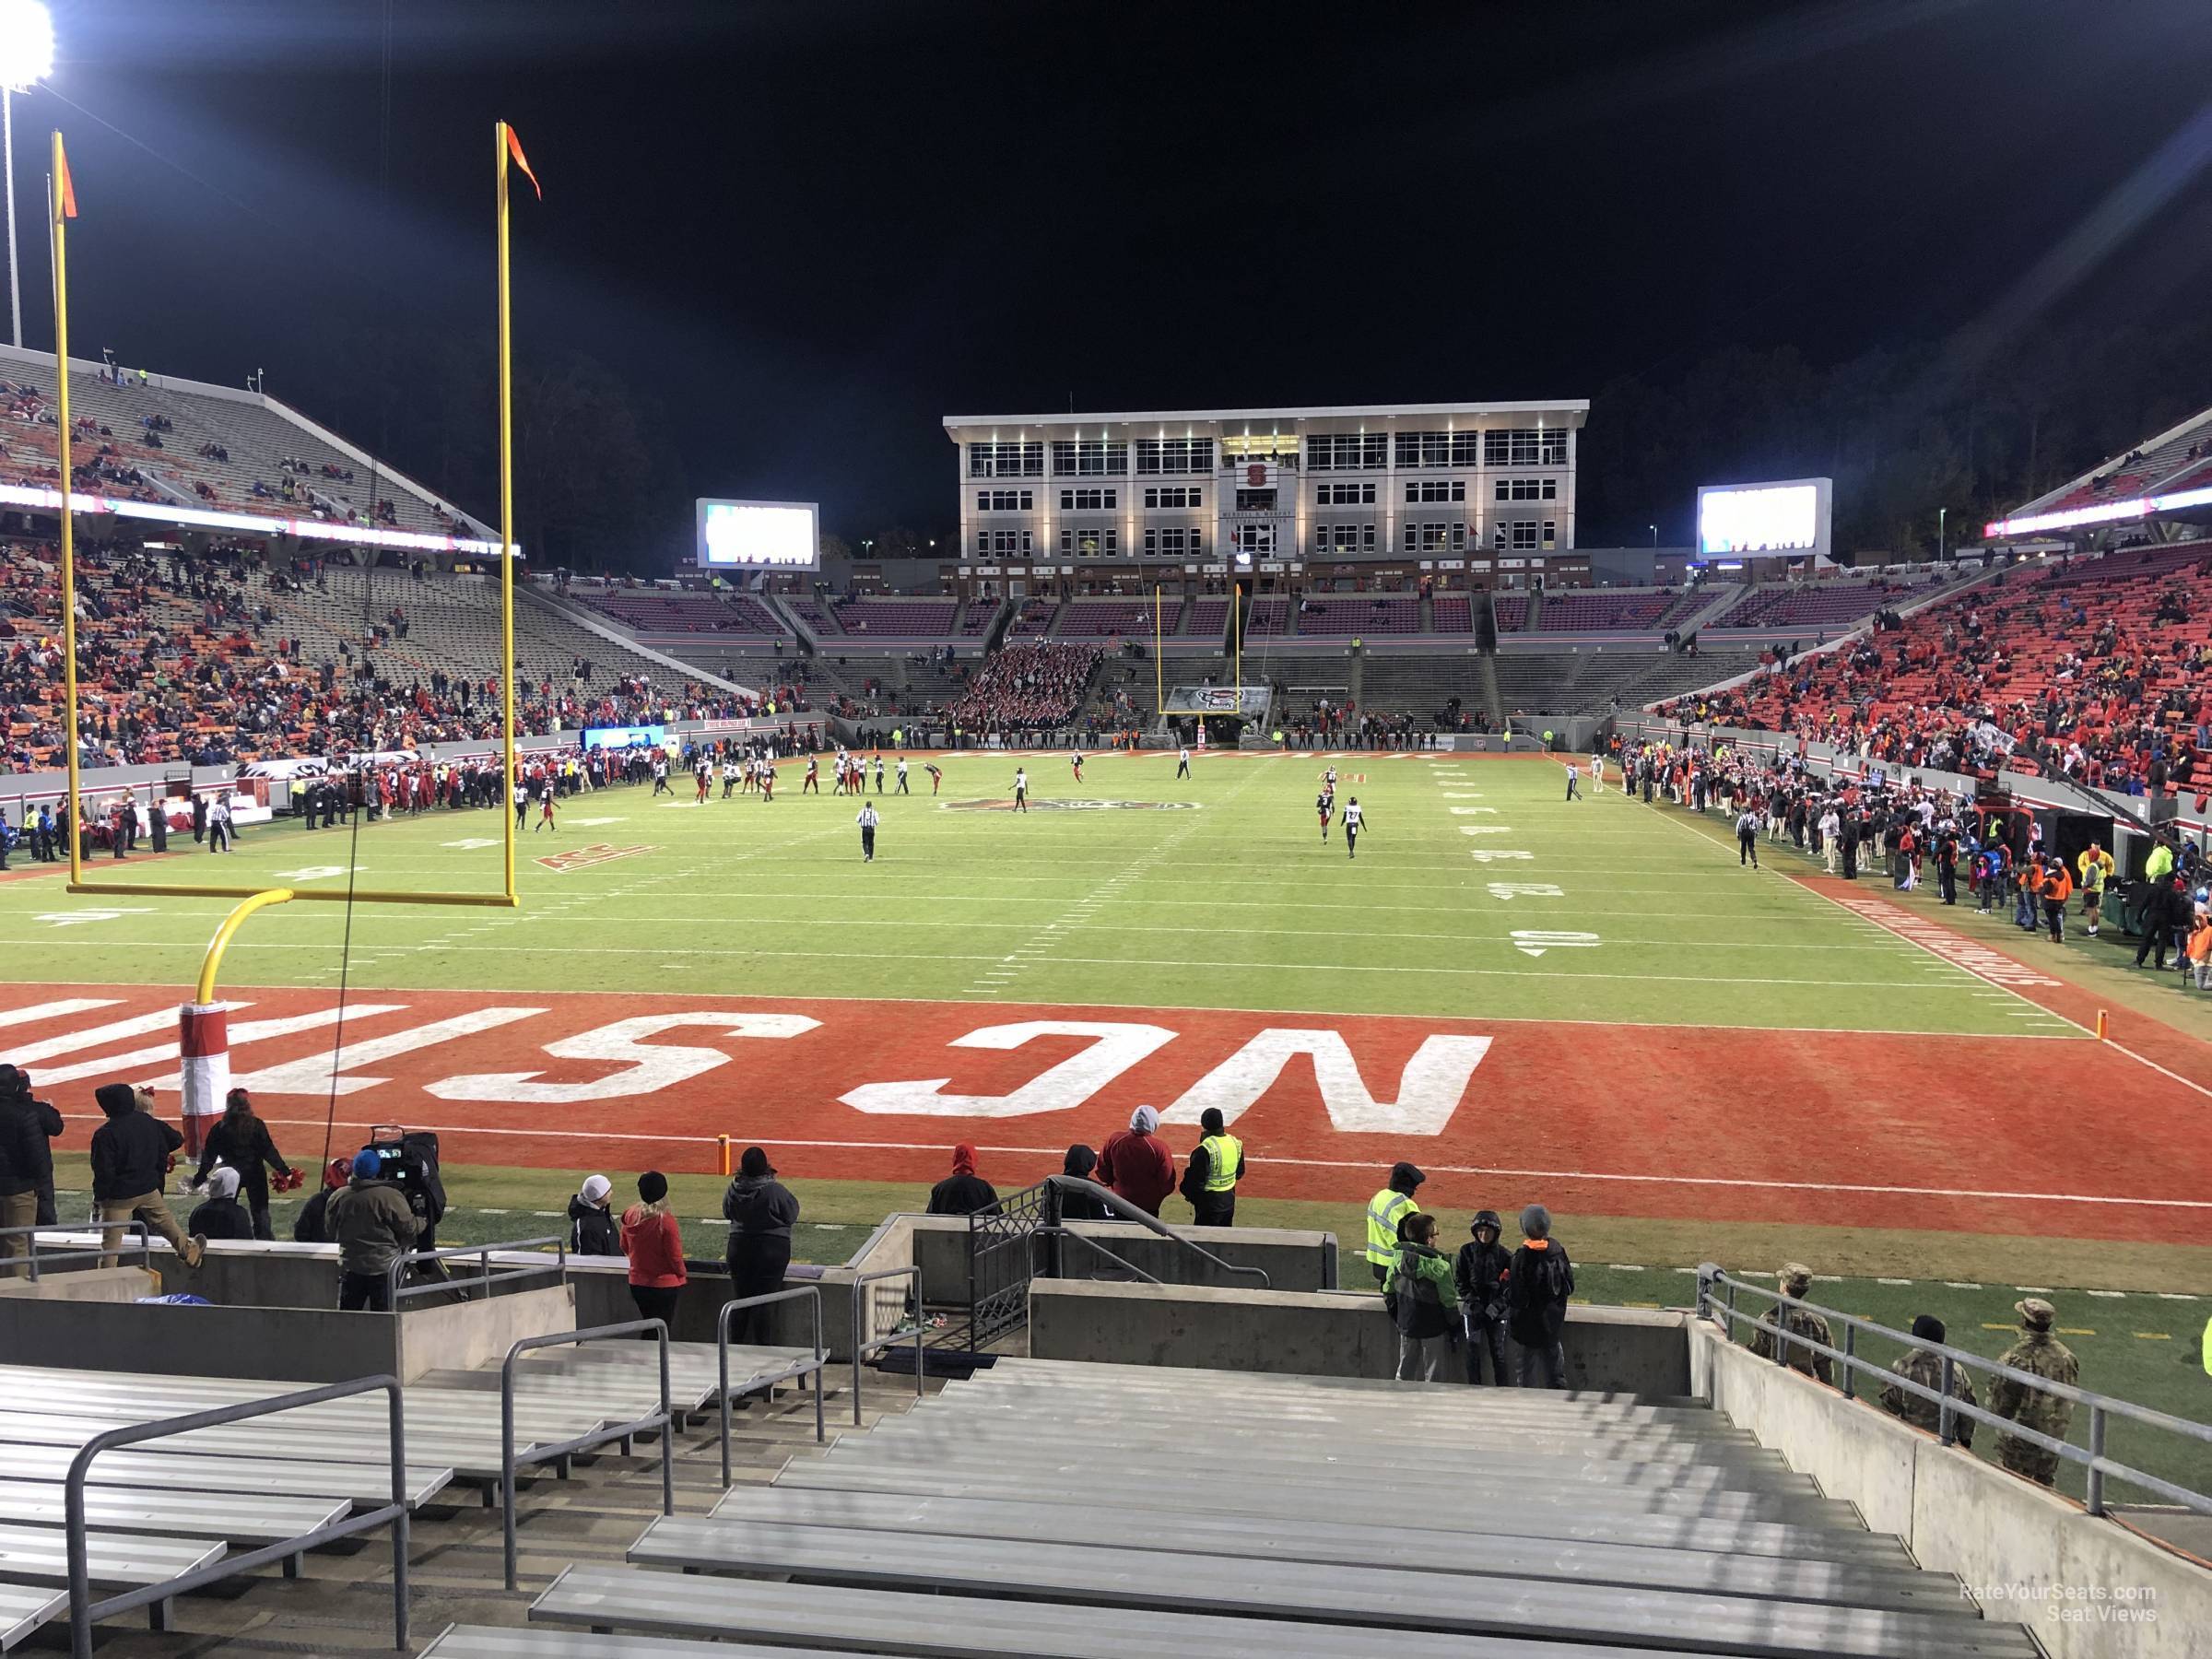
(1591, 1001)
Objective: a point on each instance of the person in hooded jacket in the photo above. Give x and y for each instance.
(131, 1154)
(26, 1164)
(220, 1215)
(240, 1139)
(1481, 1273)
(592, 1230)
(1542, 1279)
(760, 1211)
(1419, 1297)
(310, 1225)
(1083, 1164)
(963, 1193)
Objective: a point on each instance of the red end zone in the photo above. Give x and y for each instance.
(1984, 1135)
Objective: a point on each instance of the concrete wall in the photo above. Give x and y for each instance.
(304, 1345)
(2089, 1588)
(94, 1284)
(462, 1335)
(1326, 1335)
(1293, 1259)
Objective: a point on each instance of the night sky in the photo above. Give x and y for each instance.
(811, 230)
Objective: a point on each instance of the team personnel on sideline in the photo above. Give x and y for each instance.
(1597, 774)
(902, 788)
(1354, 821)
(1386, 1211)
(1574, 792)
(868, 820)
(1021, 789)
(1209, 1179)
(2097, 866)
(1747, 837)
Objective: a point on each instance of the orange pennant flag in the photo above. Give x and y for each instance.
(514, 148)
(67, 203)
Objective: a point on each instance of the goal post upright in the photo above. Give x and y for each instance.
(201, 1025)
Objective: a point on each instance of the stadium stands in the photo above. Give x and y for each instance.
(886, 618)
(651, 611)
(1031, 617)
(1512, 611)
(1105, 618)
(1028, 686)
(2099, 669)
(1205, 620)
(1455, 613)
(815, 615)
(2180, 458)
(1570, 612)
(206, 447)
(1266, 619)
(1541, 1519)
(1816, 605)
(1364, 615)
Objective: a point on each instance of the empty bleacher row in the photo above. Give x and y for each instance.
(162, 1508)
(2179, 459)
(1295, 1516)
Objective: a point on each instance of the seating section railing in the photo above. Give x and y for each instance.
(83, 1611)
(1717, 1292)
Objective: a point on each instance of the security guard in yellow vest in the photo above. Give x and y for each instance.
(1209, 1179)
(1386, 1211)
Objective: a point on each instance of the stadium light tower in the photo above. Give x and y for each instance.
(26, 59)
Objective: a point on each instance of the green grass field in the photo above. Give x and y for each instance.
(1216, 892)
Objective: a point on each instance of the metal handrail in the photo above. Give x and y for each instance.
(89, 1253)
(397, 1294)
(804, 1368)
(84, 1610)
(865, 1346)
(663, 1419)
(1130, 1212)
(2102, 1407)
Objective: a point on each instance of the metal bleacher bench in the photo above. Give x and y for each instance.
(241, 1517)
(1508, 1552)
(1393, 1599)
(484, 1642)
(37, 1555)
(23, 1609)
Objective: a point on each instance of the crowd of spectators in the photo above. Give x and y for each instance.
(188, 660)
(2099, 672)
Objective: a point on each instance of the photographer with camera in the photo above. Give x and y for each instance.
(374, 1225)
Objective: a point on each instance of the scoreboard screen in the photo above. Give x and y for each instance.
(1786, 517)
(757, 535)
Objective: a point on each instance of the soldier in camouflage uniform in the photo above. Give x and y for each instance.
(2040, 1354)
(1925, 1369)
(1797, 1279)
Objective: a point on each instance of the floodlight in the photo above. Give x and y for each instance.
(26, 44)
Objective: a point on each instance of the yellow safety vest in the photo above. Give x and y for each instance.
(1384, 1211)
(1224, 1155)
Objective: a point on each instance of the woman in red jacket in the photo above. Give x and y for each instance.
(655, 1249)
